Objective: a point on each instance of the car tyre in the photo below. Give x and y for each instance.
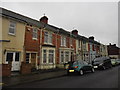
(81, 72)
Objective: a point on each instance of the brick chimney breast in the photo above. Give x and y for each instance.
(44, 19)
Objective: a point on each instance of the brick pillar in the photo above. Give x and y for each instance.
(25, 68)
(6, 70)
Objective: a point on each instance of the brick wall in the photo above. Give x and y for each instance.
(25, 68)
(6, 70)
(30, 43)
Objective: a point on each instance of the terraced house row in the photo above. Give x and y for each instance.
(34, 44)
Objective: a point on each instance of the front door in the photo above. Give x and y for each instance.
(33, 60)
(14, 58)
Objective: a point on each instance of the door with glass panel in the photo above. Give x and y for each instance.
(14, 58)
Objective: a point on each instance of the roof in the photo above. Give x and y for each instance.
(25, 19)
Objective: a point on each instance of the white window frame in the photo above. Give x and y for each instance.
(63, 41)
(35, 32)
(67, 53)
(61, 57)
(14, 54)
(64, 56)
(30, 56)
(47, 37)
(43, 56)
(14, 28)
(47, 55)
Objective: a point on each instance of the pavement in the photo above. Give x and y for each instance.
(34, 76)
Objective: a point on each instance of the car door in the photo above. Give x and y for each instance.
(86, 66)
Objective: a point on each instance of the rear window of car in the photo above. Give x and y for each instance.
(75, 63)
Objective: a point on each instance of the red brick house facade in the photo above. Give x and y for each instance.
(32, 45)
(113, 51)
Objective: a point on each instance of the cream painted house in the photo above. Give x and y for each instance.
(13, 32)
(103, 50)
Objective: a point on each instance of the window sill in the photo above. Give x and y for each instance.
(48, 43)
(34, 38)
(11, 34)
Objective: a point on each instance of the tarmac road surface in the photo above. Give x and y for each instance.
(100, 79)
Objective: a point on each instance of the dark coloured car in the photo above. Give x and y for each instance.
(102, 63)
(118, 61)
(79, 67)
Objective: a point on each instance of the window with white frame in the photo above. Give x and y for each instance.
(61, 56)
(48, 56)
(84, 45)
(48, 38)
(63, 41)
(71, 41)
(91, 47)
(35, 31)
(12, 28)
(51, 56)
(9, 56)
(44, 56)
(66, 56)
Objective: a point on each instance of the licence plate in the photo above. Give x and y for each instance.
(95, 66)
(71, 70)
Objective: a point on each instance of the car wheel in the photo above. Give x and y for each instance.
(81, 72)
(92, 70)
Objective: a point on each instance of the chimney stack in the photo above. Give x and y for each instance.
(75, 32)
(44, 19)
(92, 38)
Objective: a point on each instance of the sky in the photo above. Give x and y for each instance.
(98, 19)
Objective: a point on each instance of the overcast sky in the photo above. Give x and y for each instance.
(98, 19)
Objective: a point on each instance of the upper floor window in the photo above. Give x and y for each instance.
(12, 28)
(71, 41)
(84, 45)
(63, 41)
(48, 38)
(35, 33)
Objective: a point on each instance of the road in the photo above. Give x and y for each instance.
(100, 79)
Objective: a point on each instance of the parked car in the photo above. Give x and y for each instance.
(79, 67)
(118, 61)
(102, 63)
